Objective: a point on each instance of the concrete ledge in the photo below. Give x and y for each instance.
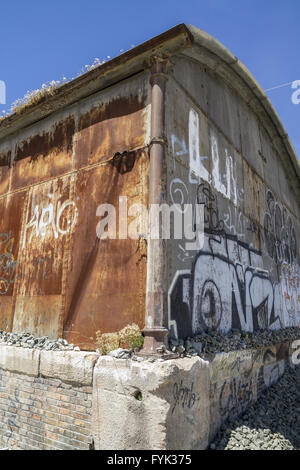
(68, 366)
(178, 404)
(20, 360)
(161, 405)
(165, 405)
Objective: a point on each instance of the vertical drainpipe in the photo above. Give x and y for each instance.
(155, 330)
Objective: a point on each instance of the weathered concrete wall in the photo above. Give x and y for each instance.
(247, 274)
(161, 405)
(179, 404)
(78, 400)
(238, 378)
(55, 278)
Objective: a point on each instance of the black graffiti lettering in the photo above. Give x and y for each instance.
(238, 397)
(184, 396)
(212, 219)
(230, 284)
(279, 232)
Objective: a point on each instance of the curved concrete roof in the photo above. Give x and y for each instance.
(215, 55)
(190, 41)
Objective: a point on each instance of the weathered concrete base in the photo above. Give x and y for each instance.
(144, 405)
(238, 378)
(21, 360)
(178, 404)
(75, 367)
(68, 399)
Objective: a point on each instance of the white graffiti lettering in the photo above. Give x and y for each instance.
(55, 219)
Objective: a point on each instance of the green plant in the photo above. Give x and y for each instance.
(107, 342)
(129, 337)
(132, 337)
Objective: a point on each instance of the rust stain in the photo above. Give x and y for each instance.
(106, 284)
(124, 162)
(4, 179)
(117, 126)
(10, 231)
(5, 159)
(59, 140)
(116, 108)
(44, 156)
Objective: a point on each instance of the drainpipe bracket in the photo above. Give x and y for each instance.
(158, 140)
(154, 343)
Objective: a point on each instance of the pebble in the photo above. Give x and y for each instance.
(205, 344)
(263, 427)
(26, 340)
(211, 342)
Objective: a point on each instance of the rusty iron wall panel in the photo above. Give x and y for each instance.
(11, 208)
(53, 176)
(50, 216)
(45, 155)
(106, 280)
(5, 158)
(111, 127)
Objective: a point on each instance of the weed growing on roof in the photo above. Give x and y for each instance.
(46, 90)
(35, 96)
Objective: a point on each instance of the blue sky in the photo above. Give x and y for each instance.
(42, 41)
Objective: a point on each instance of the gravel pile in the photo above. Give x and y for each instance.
(205, 344)
(212, 342)
(272, 423)
(26, 340)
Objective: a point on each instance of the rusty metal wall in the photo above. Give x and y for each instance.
(56, 278)
(247, 275)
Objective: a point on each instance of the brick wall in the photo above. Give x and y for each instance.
(40, 413)
(45, 399)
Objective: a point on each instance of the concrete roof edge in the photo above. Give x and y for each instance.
(208, 42)
(117, 69)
